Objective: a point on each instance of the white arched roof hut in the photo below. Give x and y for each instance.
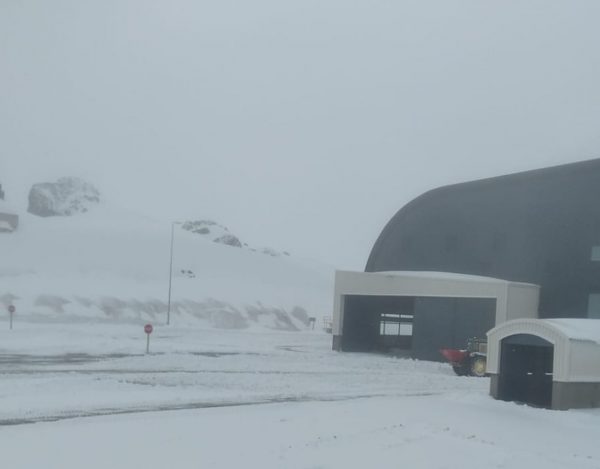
(549, 362)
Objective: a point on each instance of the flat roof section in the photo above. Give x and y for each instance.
(449, 276)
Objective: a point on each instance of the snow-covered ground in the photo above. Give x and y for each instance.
(105, 369)
(237, 379)
(86, 395)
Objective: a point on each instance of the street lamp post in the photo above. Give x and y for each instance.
(171, 271)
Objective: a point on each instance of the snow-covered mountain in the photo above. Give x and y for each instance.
(111, 264)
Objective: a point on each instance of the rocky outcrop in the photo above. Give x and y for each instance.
(274, 253)
(220, 234)
(213, 231)
(65, 197)
(210, 312)
(229, 240)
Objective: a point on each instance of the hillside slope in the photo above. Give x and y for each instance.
(113, 265)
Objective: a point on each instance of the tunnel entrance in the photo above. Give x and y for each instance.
(526, 364)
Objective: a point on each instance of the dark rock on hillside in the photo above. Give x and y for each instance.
(65, 197)
(220, 234)
(229, 240)
(201, 226)
(213, 231)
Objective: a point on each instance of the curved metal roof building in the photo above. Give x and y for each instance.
(540, 227)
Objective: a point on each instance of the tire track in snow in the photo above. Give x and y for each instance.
(68, 415)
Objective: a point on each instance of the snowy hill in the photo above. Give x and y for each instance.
(110, 264)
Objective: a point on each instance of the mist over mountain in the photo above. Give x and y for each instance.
(302, 123)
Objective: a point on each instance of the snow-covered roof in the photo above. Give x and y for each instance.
(577, 329)
(448, 276)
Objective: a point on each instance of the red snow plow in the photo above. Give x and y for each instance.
(470, 361)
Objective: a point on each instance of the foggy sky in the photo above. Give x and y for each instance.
(301, 125)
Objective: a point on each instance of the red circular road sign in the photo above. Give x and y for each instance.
(148, 328)
(11, 309)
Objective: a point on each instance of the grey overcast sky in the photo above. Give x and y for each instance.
(302, 125)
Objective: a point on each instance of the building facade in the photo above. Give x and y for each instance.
(418, 313)
(540, 227)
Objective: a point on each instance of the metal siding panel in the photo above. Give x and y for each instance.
(449, 323)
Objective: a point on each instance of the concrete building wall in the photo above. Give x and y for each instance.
(574, 395)
(521, 303)
(584, 362)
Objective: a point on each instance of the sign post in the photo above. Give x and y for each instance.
(11, 311)
(148, 330)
